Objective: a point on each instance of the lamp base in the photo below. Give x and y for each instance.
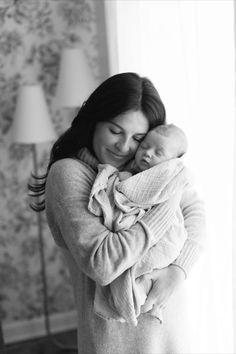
(44, 345)
(61, 348)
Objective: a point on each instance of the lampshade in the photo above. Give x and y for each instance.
(32, 123)
(75, 81)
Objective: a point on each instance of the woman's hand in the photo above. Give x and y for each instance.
(165, 282)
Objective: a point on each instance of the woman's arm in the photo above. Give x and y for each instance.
(101, 254)
(195, 224)
(167, 280)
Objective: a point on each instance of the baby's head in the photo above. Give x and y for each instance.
(162, 143)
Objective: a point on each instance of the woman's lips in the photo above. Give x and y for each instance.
(117, 156)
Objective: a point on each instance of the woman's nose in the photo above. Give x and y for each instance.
(123, 145)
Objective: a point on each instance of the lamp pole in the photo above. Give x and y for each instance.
(41, 251)
(2, 344)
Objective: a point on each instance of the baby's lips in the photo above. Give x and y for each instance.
(144, 161)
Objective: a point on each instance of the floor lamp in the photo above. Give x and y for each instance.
(32, 125)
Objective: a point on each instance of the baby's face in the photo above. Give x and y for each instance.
(154, 149)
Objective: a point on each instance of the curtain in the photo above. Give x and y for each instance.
(187, 49)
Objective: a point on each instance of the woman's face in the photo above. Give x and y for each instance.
(115, 142)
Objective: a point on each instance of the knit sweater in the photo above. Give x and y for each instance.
(95, 254)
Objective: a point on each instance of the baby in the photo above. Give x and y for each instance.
(162, 143)
(122, 198)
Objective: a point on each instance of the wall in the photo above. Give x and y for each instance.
(32, 36)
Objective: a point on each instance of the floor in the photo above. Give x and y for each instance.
(60, 343)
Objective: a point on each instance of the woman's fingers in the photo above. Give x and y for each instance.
(157, 312)
(165, 283)
(152, 298)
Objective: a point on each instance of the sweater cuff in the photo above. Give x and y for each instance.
(182, 269)
(158, 221)
(188, 256)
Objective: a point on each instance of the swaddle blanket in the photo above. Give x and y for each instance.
(122, 203)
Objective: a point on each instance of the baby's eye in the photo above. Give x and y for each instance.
(158, 152)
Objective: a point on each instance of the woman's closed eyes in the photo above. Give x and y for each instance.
(116, 130)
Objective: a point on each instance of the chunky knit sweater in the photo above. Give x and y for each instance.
(95, 254)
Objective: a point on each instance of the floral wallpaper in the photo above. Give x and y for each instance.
(32, 34)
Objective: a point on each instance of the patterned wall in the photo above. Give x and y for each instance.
(32, 35)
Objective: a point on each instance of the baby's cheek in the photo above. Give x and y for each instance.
(140, 153)
(137, 156)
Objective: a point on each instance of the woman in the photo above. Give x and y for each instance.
(108, 129)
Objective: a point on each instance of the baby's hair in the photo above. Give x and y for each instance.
(169, 130)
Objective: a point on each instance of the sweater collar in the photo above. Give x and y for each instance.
(85, 155)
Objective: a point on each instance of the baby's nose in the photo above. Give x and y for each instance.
(148, 153)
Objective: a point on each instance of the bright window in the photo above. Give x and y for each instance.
(187, 49)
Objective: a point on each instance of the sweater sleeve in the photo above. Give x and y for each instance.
(100, 253)
(195, 224)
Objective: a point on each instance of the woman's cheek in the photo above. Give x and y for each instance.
(136, 147)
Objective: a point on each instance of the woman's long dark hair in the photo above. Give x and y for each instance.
(116, 95)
